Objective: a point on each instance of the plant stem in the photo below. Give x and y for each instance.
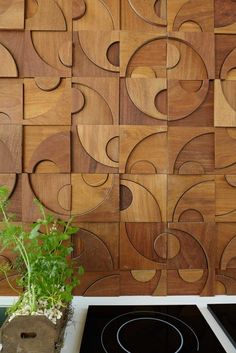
(9, 283)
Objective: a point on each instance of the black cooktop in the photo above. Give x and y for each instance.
(148, 329)
(2, 315)
(225, 315)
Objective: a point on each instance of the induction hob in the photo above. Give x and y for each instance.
(148, 329)
(225, 315)
(2, 315)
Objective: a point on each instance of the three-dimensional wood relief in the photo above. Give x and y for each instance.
(122, 114)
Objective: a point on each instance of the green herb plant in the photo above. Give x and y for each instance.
(46, 271)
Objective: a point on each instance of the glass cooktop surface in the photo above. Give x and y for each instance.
(225, 315)
(148, 329)
(2, 315)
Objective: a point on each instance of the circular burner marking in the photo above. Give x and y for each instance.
(148, 318)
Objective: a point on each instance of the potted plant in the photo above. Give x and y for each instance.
(36, 322)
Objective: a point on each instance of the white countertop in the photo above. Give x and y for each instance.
(75, 328)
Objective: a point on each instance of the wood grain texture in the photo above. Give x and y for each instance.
(190, 103)
(95, 101)
(95, 197)
(137, 15)
(137, 188)
(225, 18)
(190, 282)
(132, 109)
(96, 15)
(12, 53)
(102, 157)
(225, 54)
(47, 101)
(143, 282)
(225, 103)
(11, 101)
(190, 15)
(225, 283)
(96, 246)
(96, 284)
(144, 52)
(191, 198)
(226, 243)
(225, 149)
(47, 149)
(121, 113)
(12, 14)
(143, 246)
(39, 61)
(191, 150)
(91, 53)
(53, 190)
(11, 149)
(225, 198)
(48, 15)
(143, 149)
(191, 56)
(191, 246)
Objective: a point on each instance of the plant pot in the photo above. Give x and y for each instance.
(33, 334)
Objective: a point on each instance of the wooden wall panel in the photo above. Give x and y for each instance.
(121, 113)
(12, 14)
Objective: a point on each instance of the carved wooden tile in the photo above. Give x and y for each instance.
(143, 246)
(137, 190)
(225, 56)
(226, 198)
(39, 61)
(225, 103)
(96, 246)
(190, 103)
(190, 16)
(47, 101)
(96, 284)
(225, 18)
(225, 150)
(143, 149)
(95, 101)
(48, 15)
(225, 282)
(189, 282)
(11, 53)
(96, 15)
(12, 14)
(47, 149)
(191, 258)
(143, 101)
(143, 282)
(137, 15)
(102, 157)
(226, 246)
(191, 150)
(53, 190)
(143, 54)
(96, 53)
(191, 198)
(191, 246)
(10, 149)
(191, 56)
(13, 182)
(11, 101)
(95, 197)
